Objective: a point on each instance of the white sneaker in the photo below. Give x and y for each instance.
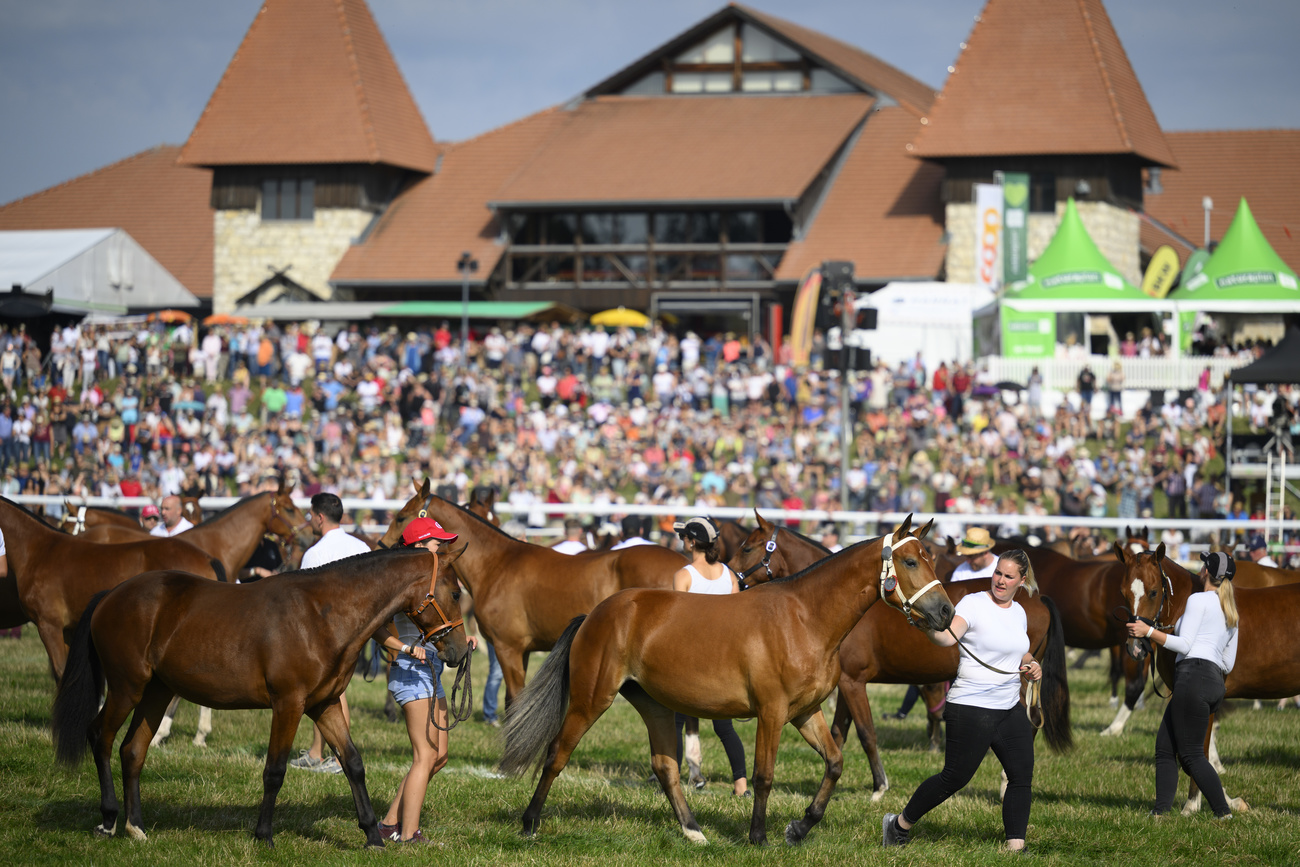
(329, 766)
(305, 761)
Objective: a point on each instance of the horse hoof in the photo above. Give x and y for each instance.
(695, 836)
(1114, 701)
(104, 833)
(792, 835)
(1239, 805)
(135, 833)
(200, 742)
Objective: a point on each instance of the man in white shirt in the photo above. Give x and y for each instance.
(173, 521)
(633, 528)
(572, 543)
(335, 544)
(1258, 549)
(977, 547)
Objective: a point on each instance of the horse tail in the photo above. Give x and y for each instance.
(77, 701)
(219, 569)
(1056, 689)
(534, 718)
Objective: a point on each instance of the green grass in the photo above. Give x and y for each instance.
(200, 804)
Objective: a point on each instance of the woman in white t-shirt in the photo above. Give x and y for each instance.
(983, 708)
(706, 575)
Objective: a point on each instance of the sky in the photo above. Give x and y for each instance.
(84, 83)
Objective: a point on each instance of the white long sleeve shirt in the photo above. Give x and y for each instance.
(1202, 633)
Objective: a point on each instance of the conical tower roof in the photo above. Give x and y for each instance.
(312, 82)
(1042, 77)
(1244, 268)
(1072, 274)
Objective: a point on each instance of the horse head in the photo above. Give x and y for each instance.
(482, 502)
(191, 511)
(907, 578)
(1137, 539)
(1147, 592)
(284, 518)
(409, 512)
(74, 518)
(439, 617)
(759, 558)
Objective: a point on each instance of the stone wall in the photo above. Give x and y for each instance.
(1114, 230)
(246, 247)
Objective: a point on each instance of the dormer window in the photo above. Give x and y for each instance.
(288, 198)
(740, 58)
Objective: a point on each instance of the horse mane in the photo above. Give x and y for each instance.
(354, 562)
(838, 554)
(236, 505)
(811, 541)
(29, 513)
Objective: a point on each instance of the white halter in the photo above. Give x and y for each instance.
(889, 580)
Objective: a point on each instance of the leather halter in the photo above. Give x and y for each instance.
(293, 531)
(889, 581)
(428, 636)
(769, 548)
(79, 525)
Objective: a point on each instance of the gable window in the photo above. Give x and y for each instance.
(288, 198)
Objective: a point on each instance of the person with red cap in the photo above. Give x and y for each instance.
(149, 517)
(414, 680)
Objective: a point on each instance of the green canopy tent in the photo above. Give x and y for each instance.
(1245, 275)
(1071, 276)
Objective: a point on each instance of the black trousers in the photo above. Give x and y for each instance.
(1180, 740)
(971, 732)
(726, 733)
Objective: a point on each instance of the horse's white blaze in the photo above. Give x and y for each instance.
(1135, 591)
(1137, 547)
(134, 832)
(1117, 726)
(694, 836)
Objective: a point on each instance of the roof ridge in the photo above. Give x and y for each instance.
(104, 168)
(358, 83)
(1105, 75)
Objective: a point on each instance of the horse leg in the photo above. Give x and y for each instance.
(334, 729)
(766, 741)
(284, 725)
(853, 697)
(55, 647)
(1116, 672)
(513, 671)
(840, 720)
(935, 697)
(165, 727)
(135, 746)
(1212, 749)
(815, 731)
(103, 731)
(1135, 681)
(691, 750)
(205, 727)
(661, 727)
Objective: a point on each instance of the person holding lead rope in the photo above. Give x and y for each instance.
(983, 707)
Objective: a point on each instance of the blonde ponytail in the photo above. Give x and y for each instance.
(1228, 602)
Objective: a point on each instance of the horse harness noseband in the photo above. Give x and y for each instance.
(769, 548)
(79, 526)
(1166, 598)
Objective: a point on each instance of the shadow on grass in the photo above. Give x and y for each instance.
(296, 818)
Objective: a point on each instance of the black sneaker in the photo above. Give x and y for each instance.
(390, 832)
(892, 833)
(899, 716)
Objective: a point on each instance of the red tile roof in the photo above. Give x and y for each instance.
(1043, 77)
(686, 149)
(882, 211)
(1261, 165)
(312, 82)
(422, 234)
(855, 63)
(164, 206)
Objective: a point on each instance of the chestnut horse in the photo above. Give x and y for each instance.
(288, 645)
(1268, 655)
(524, 594)
(482, 502)
(775, 656)
(77, 519)
(884, 648)
(57, 574)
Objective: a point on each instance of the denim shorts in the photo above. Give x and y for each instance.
(410, 680)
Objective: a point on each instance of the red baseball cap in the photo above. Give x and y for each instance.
(150, 511)
(425, 528)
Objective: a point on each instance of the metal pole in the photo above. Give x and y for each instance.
(464, 314)
(1208, 204)
(846, 421)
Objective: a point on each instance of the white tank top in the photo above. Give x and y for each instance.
(720, 586)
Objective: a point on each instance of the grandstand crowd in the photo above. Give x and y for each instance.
(551, 413)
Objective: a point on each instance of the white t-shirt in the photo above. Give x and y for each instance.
(998, 636)
(720, 586)
(1203, 633)
(631, 543)
(964, 572)
(334, 545)
(160, 529)
(2, 543)
(569, 546)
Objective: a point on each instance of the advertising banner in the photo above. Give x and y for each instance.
(988, 236)
(1028, 334)
(805, 312)
(1161, 272)
(1015, 218)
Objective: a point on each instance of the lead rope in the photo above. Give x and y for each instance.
(466, 708)
(1033, 695)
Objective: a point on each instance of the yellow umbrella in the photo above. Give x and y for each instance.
(621, 316)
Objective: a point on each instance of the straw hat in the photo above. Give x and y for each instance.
(976, 541)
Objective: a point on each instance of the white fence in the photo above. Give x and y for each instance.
(1062, 374)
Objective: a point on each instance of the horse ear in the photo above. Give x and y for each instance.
(952, 545)
(1160, 552)
(925, 531)
(454, 554)
(280, 489)
(1118, 548)
(904, 528)
(763, 524)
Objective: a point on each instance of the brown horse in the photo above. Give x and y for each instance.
(77, 519)
(57, 574)
(524, 594)
(288, 645)
(733, 535)
(775, 657)
(482, 502)
(884, 648)
(1268, 656)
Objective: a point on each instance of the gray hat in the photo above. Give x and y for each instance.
(1219, 565)
(700, 529)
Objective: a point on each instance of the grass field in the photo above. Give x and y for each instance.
(1090, 807)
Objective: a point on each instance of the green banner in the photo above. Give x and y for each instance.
(1028, 335)
(1186, 324)
(1015, 227)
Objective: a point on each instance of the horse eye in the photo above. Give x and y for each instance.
(911, 564)
(1151, 594)
(747, 549)
(455, 596)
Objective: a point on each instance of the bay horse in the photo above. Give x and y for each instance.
(884, 648)
(57, 574)
(288, 644)
(1268, 656)
(231, 536)
(732, 535)
(77, 519)
(525, 594)
(482, 502)
(775, 656)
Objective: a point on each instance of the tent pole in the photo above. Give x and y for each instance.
(1227, 451)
